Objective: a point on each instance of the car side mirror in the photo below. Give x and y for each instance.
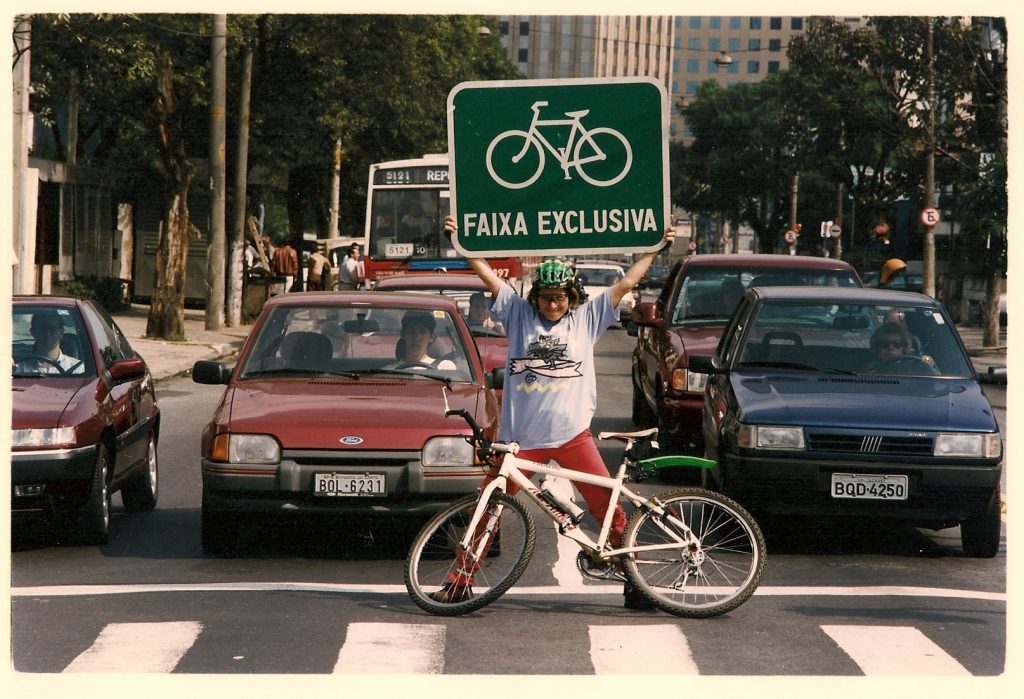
(496, 378)
(644, 313)
(210, 372)
(127, 369)
(705, 364)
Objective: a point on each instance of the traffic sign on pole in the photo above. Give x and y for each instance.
(559, 166)
(930, 217)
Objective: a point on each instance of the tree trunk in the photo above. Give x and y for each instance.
(167, 306)
(993, 287)
(234, 311)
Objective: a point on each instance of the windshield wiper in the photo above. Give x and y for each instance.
(296, 371)
(406, 374)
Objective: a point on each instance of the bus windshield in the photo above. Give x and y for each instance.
(408, 224)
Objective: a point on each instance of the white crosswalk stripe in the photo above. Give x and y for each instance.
(893, 650)
(640, 649)
(392, 648)
(153, 647)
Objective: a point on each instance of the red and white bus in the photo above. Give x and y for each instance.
(406, 204)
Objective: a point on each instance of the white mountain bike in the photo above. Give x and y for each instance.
(692, 552)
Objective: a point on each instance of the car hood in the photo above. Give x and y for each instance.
(867, 401)
(698, 340)
(367, 413)
(42, 402)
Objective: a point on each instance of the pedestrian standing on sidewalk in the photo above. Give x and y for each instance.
(550, 392)
(350, 273)
(286, 264)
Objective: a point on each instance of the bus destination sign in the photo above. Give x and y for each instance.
(559, 166)
(412, 175)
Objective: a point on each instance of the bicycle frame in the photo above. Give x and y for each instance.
(563, 157)
(512, 468)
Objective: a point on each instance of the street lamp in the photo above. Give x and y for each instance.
(723, 60)
(483, 32)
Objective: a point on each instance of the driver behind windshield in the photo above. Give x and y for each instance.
(891, 342)
(47, 357)
(417, 335)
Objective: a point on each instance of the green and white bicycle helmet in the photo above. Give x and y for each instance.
(553, 273)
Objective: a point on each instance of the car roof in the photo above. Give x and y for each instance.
(367, 298)
(843, 294)
(37, 300)
(599, 265)
(432, 281)
(759, 261)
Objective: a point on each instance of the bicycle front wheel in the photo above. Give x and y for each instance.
(498, 554)
(695, 581)
(519, 159)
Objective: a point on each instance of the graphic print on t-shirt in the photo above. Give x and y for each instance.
(547, 358)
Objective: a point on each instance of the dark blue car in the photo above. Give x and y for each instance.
(857, 402)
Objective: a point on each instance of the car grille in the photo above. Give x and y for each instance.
(852, 443)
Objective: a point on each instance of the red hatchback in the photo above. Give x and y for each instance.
(85, 420)
(337, 406)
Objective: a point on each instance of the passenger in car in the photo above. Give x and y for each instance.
(305, 350)
(418, 333)
(480, 313)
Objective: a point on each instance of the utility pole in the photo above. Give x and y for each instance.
(235, 270)
(215, 268)
(929, 152)
(23, 270)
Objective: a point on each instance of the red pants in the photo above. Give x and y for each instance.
(579, 454)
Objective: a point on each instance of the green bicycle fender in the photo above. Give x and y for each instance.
(675, 461)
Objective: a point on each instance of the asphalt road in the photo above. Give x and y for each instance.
(326, 597)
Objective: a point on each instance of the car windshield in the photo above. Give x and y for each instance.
(598, 276)
(709, 295)
(474, 304)
(354, 341)
(854, 339)
(49, 341)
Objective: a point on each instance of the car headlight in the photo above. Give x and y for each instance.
(245, 449)
(447, 451)
(49, 437)
(770, 437)
(686, 380)
(968, 444)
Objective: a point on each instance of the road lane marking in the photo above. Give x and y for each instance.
(893, 650)
(640, 650)
(393, 649)
(546, 590)
(142, 647)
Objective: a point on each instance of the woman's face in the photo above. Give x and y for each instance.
(552, 303)
(890, 346)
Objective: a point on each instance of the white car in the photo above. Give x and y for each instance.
(598, 276)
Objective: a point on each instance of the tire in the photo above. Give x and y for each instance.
(613, 143)
(91, 525)
(140, 493)
(642, 415)
(518, 139)
(432, 555)
(731, 543)
(979, 535)
(218, 532)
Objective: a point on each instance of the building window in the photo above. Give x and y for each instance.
(714, 22)
(503, 27)
(753, 67)
(692, 65)
(754, 44)
(734, 67)
(693, 43)
(675, 65)
(775, 44)
(695, 23)
(796, 23)
(734, 44)
(524, 28)
(755, 22)
(712, 66)
(523, 54)
(677, 43)
(734, 23)
(714, 44)
(773, 66)
(775, 23)
(691, 87)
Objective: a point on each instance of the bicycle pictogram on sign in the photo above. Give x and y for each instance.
(517, 152)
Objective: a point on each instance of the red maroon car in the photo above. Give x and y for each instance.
(85, 420)
(337, 406)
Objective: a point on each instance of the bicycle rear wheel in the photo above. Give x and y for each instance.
(714, 579)
(508, 534)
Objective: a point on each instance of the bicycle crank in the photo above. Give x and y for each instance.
(598, 568)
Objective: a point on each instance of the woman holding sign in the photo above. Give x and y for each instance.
(550, 392)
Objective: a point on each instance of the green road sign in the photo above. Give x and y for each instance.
(559, 166)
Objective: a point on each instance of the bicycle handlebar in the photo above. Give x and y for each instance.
(479, 438)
